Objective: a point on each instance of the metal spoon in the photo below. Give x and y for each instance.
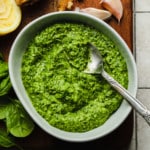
(95, 66)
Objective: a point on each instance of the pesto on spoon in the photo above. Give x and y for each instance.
(95, 66)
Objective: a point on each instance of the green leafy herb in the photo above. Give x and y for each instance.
(5, 139)
(18, 122)
(3, 69)
(5, 84)
(3, 108)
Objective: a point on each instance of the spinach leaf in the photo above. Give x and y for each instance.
(3, 110)
(5, 86)
(18, 122)
(3, 69)
(6, 140)
(4, 104)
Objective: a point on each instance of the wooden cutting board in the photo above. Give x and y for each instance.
(117, 140)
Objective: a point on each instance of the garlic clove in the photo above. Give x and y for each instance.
(101, 14)
(114, 6)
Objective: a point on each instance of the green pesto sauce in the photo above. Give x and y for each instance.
(52, 73)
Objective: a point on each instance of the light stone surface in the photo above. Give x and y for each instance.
(142, 5)
(143, 129)
(142, 29)
(141, 39)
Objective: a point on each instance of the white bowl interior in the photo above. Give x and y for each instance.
(15, 59)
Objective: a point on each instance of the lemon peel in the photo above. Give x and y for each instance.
(10, 16)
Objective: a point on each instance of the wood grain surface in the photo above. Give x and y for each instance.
(39, 140)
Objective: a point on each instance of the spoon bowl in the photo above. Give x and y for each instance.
(95, 66)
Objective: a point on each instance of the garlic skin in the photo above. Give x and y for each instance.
(99, 13)
(114, 6)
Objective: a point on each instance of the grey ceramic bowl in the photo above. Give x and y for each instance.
(15, 58)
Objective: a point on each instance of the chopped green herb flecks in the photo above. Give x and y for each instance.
(52, 73)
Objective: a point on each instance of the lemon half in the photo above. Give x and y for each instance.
(10, 16)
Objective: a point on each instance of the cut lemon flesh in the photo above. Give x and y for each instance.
(10, 16)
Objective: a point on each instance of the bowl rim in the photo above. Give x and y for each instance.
(63, 135)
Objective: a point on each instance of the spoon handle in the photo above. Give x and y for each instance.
(135, 103)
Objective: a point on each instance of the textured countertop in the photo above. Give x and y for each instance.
(141, 39)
